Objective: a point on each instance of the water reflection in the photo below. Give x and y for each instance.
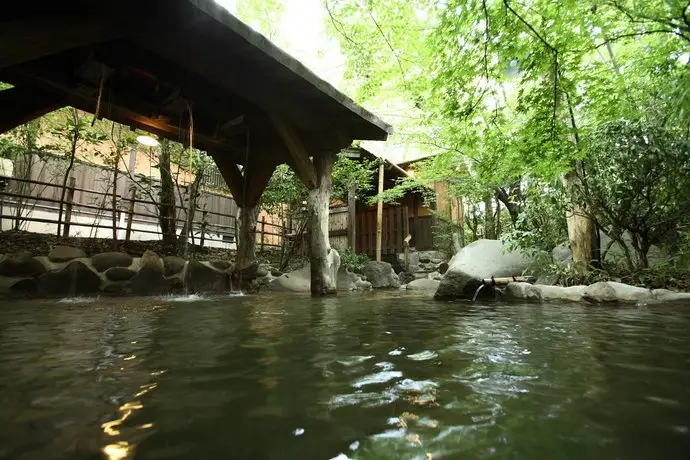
(380, 376)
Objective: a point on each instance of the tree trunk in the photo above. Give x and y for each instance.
(190, 211)
(325, 261)
(73, 152)
(116, 170)
(580, 227)
(247, 238)
(509, 202)
(489, 224)
(166, 206)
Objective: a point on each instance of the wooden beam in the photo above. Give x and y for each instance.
(20, 105)
(303, 166)
(23, 40)
(257, 180)
(232, 175)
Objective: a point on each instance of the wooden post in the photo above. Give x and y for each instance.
(69, 198)
(130, 212)
(263, 231)
(352, 217)
(379, 215)
(203, 229)
(324, 260)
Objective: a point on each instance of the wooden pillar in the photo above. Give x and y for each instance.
(352, 217)
(246, 248)
(324, 260)
(379, 215)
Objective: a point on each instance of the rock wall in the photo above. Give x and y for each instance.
(604, 292)
(67, 271)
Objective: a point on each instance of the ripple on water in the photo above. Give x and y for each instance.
(423, 356)
(379, 377)
(418, 386)
(385, 365)
(184, 298)
(79, 300)
(354, 360)
(397, 351)
(362, 399)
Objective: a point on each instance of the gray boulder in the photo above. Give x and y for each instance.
(430, 256)
(562, 253)
(521, 291)
(172, 265)
(664, 295)
(106, 260)
(120, 274)
(294, 281)
(476, 261)
(612, 292)
(300, 281)
(21, 265)
(381, 275)
(73, 280)
(204, 278)
(151, 279)
(221, 264)
(414, 259)
(435, 276)
(536, 292)
(65, 254)
(423, 285)
(443, 268)
(406, 277)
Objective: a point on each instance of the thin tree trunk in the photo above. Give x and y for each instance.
(166, 206)
(190, 211)
(75, 140)
(489, 224)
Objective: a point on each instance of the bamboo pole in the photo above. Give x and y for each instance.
(379, 215)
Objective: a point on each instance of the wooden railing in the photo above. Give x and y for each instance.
(130, 210)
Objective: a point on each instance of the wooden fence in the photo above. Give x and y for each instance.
(30, 200)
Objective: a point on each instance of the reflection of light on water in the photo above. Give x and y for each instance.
(110, 428)
(122, 449)
(118, 451)
(79, 300)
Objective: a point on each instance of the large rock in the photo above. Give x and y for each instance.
(21, 265)
(562, 253)
(294, 281)
(73, 280)
(423, 285)
(120, 274)
(406, 277)
(381, 275)
(151, 260)
(172, 265)
(106, 260)
(223, 265)
(612, 292)
(65, 254)
(413, 257)
(536, 292)
(300, 281)
(151, 279)
(428, 256)
(476, 261)
(203, 278)
(664, 295)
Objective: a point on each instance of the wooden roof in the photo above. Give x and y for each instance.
(150, 63)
